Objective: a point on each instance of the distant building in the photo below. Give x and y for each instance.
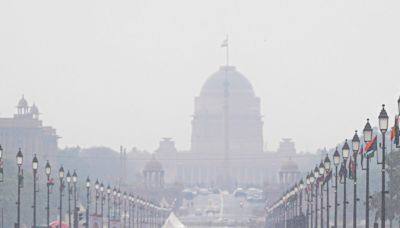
(227, 142)
(26, 131)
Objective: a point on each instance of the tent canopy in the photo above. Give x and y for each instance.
(173, 222)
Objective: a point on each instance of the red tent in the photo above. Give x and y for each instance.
(55, 224)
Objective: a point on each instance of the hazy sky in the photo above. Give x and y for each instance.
(126, 72)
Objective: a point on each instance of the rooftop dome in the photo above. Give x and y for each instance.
(237, 82)
(22, 103)
(34, 110)
(289, 166)
(153, 165)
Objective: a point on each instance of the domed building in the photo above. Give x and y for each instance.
(289, 172)
(227, 117)
(153, 175)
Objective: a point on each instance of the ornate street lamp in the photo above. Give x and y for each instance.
(96, 197)
(355, 142)
(48, 172)
(383, 126)
(61, 176)
(115, 203)
(109, 206)
(321, 174)
(119, 204)
(312, 180)
(398, 104)
(124, 215)
(35, 165)
(327, 166)
(87, 201)
(316, 175)
(367, 132)
(102, 198)
(74, 181)
(336, 162)
(308, 183)
(19, 159)
(345, 155)
(69, 198)
(301, 187)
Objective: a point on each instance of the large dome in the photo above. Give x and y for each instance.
(238, 84)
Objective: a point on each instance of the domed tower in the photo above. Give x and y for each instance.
(22, 107)
(289, 172)
(227, 106)
(153, 174)
(34, 111)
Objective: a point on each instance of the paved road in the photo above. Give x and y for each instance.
(229, 211)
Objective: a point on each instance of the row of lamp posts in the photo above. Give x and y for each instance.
(136, 210)
(280, 213)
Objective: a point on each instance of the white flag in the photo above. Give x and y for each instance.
(225, 43)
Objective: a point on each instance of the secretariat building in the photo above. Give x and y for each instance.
(25, 130)
(227, 141)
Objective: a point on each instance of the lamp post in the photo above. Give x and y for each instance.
(74, 181)
(69, 198)
(19, 164)
(108, 205)
(301, 187)
(345, 155)
(96, 197)
(308, 200)
(316, 175)
(367, 132)
(336, 161)
(115, 204)
(355, 147)
(129, 210)
(124, 215)
(312, 180)
(102, 198)
(87, 201)
(48, 172)
(383, 126)
(321, 174)
(327, 166)
(35, 164)
(61, 177)
(119, 205)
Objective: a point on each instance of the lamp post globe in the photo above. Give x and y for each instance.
(61, 173)
(367, 132)
(327, 164)
(68, 177)
(321, 169)
(74, 177)
(355, 142)
(20, 158)
(87, 182)
(383, 120)
(398, 104)
(35, 163)
(96, 185)
(336, 158)
(345, 151)
(48, 168)
(312, 177)
(316, 172)
(301, 184)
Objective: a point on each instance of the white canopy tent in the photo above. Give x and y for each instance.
(173, 222)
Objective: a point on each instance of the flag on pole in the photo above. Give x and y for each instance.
(225, 42)
(371, 147)
(395, 132)
(352, 169)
